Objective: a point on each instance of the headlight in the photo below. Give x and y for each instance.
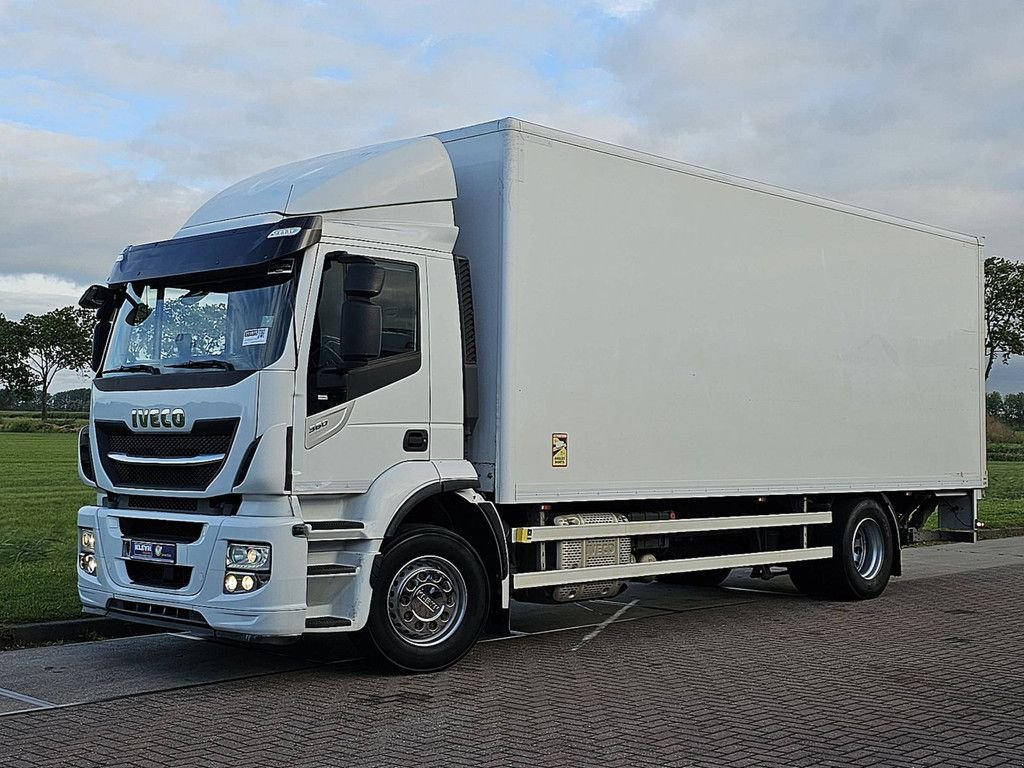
(87, 539)
(248, 557)
(87, 562)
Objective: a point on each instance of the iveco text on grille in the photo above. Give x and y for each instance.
(159, 417)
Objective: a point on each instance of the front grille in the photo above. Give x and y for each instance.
(151, 610)
(158, 575)
(213, 436)
(218, 505)
(205, 437)
(181, 531)
(164, 503)
(155, 476)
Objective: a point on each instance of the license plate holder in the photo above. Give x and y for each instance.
(152, 551)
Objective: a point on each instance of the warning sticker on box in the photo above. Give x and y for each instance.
(254, 336)
(559, 449)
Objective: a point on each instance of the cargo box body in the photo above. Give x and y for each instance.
(690, 334)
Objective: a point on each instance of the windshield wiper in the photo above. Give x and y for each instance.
(224, 364)
(139, 368)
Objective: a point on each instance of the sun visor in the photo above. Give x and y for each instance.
(216, 251)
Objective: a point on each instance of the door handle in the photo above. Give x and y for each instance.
(415, 440)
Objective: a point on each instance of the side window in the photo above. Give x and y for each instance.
(334, 377)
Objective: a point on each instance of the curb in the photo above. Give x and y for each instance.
(987, 534)
(69, 631)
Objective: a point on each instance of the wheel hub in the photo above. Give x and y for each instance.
(868, 548)
(426, 600)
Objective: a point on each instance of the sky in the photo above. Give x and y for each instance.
(118, 119)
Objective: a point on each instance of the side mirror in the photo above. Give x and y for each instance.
(137, 315)
(360, 337)
(363, 280)
(102, 299)
(96, 297)
(361, 322)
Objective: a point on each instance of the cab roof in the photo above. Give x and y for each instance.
(408, 171)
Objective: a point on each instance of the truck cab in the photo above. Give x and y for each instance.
(269, 380)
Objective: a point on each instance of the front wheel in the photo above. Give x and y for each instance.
(430, 601)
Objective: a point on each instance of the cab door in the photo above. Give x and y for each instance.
(366, 406)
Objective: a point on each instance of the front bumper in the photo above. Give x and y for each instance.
(198, 602)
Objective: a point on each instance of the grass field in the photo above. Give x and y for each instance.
(40, 494)
(1003, 506)
(30, 421)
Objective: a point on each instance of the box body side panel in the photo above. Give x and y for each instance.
(691, 337)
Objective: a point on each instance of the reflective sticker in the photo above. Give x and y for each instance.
(254, 336)
(267, 320)
(559, 449)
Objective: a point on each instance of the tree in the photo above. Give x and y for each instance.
(14, 377)
(1004, 310)
(71, 400)
(60, 340)
(995, 406)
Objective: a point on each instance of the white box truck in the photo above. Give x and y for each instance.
(390, 390)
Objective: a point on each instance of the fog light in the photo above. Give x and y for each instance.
(88, 563)
(87, 538)
(243, 583)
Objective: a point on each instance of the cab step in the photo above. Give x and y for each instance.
(334, 530)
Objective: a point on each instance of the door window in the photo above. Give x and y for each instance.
(332, 378)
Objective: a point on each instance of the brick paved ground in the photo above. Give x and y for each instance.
(930, 675)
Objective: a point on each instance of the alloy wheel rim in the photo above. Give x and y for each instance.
(867, 548)
(427, 600)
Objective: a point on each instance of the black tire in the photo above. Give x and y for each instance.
(863, 547)
(810, 578)
(427, 567)
(697, 578)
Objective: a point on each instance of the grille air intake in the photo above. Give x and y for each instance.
(209, 437)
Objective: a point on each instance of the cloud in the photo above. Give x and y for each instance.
(118, 126)
(624, 8)
(36, 293)
(910, 108)
(114, 127)
(69, 210)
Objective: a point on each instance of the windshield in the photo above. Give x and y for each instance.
(184, 324)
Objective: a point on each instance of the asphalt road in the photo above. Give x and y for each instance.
(930, 674)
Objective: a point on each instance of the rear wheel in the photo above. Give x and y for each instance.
(429, 604)
(697, 578)
(809, 578)
(863, 545)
